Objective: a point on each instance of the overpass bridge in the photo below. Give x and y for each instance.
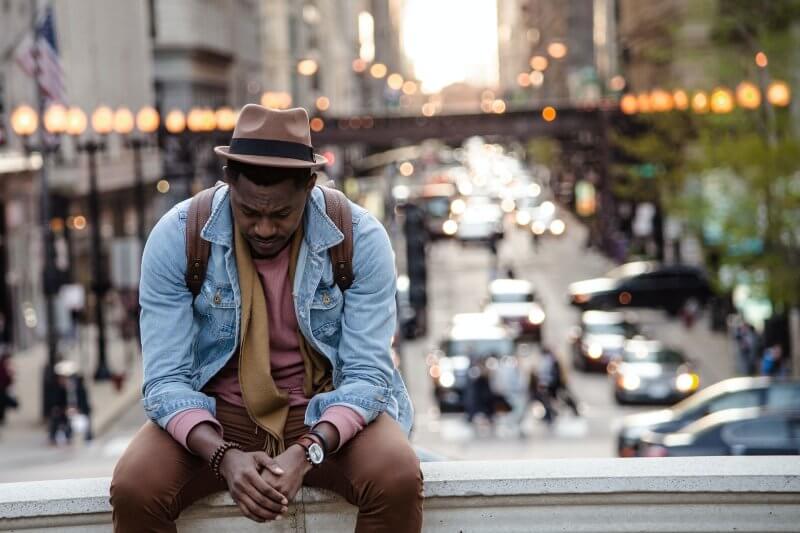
(392, 130)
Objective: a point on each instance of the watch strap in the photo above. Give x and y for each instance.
(322, 440)
(305, 442)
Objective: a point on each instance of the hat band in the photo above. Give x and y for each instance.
(271, 148)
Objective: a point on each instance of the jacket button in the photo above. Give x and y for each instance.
(326, 299)
(217, 298)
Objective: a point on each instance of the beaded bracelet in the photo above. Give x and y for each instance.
(216, 458)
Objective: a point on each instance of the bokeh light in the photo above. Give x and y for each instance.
(779, 94)
(721, 100)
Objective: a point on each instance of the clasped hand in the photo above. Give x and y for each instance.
(261, 486)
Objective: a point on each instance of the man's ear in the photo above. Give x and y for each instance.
(312, 180)
(228, 173)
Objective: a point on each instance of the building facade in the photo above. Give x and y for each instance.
(326, 49)
(566, 49)
(105, 57)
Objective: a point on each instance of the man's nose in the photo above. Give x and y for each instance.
(265, 229)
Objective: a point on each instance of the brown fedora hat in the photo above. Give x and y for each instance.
(272, 138)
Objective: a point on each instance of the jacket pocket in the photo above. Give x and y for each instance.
(217, 303)
(326, 314)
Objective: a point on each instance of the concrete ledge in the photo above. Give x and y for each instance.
(687, 494)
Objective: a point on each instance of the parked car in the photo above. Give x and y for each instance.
(600, 338)
(466, 343)
(643, 284)
(514, 302)
(731, 393)
(648, 372)
(749, 431)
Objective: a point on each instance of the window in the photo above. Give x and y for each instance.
(766, 433)
(512, 298)
(784, 395)
(623, 328)
(480, 347)
(736, 400)
(664, 357)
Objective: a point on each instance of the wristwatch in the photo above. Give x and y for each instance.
(314, 452)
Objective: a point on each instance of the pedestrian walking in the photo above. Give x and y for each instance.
(689, 312)
(552, 379)
(70, 409)
(7, 400)
(772, 362)
(535, 237)
(267, 354)
(58, 422)
(747, 347)
(539, 393)
(480, 397)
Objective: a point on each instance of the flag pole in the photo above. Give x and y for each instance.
(48, 271)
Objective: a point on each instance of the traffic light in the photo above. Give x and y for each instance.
(416, 237)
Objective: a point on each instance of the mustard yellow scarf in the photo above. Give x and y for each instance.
(266, 404)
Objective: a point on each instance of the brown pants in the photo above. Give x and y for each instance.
(377, 471)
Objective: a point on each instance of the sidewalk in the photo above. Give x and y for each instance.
(23, 438)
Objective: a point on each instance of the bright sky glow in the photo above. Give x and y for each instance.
(449, 41)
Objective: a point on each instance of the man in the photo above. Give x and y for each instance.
(272, 377)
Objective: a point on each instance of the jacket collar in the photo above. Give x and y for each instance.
(321, 232)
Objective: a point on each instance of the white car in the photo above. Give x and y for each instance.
(480, 220)
(514, 302)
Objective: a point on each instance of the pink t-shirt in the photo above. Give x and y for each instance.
(286, 361)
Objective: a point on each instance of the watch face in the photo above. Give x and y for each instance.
(315, 453)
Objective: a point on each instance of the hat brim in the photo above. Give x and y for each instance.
(269, 161)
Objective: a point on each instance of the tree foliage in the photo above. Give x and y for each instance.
(734, 178)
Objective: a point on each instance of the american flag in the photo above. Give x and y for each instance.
(38, 57)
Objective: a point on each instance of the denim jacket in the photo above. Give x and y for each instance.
(185, 343)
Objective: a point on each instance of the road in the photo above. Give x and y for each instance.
(458, 278)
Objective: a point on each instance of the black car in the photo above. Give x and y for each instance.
(643, 284)
(731, 393)
(750, 431)
(648, 372)
(600, 338)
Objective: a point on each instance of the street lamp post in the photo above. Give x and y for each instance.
(146, 122)
(102, 123)
(25, 122)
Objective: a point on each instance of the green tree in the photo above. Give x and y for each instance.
(733, 177)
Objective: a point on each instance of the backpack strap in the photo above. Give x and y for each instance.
(337, 207)
(197, 248)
